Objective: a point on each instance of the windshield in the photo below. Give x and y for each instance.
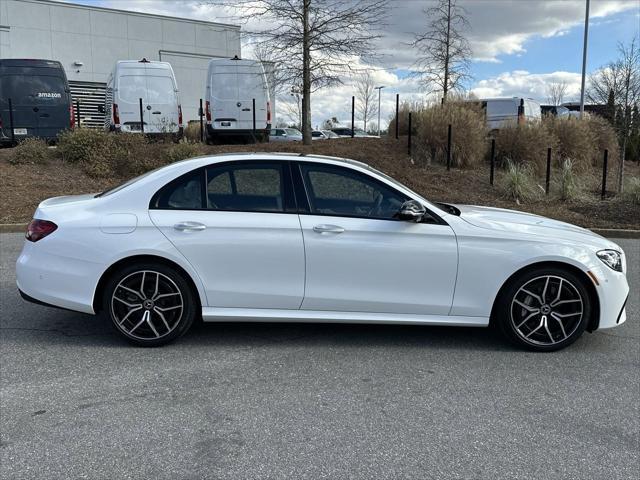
(294, 132)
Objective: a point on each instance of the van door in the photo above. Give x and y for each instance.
(224, 98)
(251, 86)
(132, 86)
(161, 107)
(40, 104)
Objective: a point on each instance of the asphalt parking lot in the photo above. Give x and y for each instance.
(299, 401)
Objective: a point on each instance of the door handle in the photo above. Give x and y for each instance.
(190, 226)
(328, 229)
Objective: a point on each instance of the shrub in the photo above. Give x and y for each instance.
(30, 150)
(604, 137)
(403, 113)
(103, 154)
(517, 182)
(182, 151)
(525, 145)
(192, 132)
(468, 129)
(632, 190)
(574, 142)
(568, 182)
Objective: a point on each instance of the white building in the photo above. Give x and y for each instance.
(89, 40)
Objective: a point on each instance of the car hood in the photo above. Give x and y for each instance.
(500, 219)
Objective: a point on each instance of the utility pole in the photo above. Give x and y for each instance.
(584, 58)
(379, 89)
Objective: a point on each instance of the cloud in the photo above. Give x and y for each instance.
(523, 83)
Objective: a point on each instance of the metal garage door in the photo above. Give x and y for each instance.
(89, 96)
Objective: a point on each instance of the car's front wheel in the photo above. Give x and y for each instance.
(544, 309)
(149, 304)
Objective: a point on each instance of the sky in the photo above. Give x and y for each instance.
(519, 46)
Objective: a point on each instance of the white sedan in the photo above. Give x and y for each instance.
(276, 237)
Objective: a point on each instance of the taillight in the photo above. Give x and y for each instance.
(179, 115)
(38, 229)
(268, 112)
(207, 111)
(116, 116)
(72, 117)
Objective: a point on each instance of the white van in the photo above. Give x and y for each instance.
(499, 111)
(232, 86)
(155, 84)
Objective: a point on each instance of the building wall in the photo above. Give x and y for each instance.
(98, 37)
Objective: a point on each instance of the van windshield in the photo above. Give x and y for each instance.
(33, 89)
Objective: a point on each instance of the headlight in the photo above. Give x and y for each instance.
(612, 258)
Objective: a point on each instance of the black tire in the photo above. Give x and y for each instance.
(514, 312)
(160, 327)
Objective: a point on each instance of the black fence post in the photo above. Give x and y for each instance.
(141, 117)
(604, 175)
(13, 133)
(449, 147)
(548, 179)
(409, 138)
(397, 116)
(353, 115)
(201, 114)
(78, 113)
(493, 161)
(253, 110)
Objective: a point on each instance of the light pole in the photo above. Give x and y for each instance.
(379, 90)
(584, 58)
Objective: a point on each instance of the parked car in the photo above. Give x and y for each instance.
(500, 111)
(41, 103)
(346, 132)
(232, 86)
(283, 237)
(558, 111)
(154, 83)
(318, 135)
(329, 134)
(285, 135)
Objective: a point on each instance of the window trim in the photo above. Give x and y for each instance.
(289, 203)
(299, 179)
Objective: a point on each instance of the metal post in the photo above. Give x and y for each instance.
(604, 174)
(379, 90)
(409, 138)
(493, 160)
(13, 134)
(78, 113)
(546, 184)
(201, 113)
(141, 117)
(397, 116)
(253, 110)
(353, 115)
(449, 148)
(584, 58)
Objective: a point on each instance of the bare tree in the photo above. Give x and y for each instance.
(312, 42)
(443, 50)
(365, 97)
(556, 91)
(619, 83)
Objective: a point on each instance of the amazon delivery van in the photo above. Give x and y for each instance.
(232, 86)
(142, 97)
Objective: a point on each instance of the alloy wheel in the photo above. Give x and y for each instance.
(147, 305)
(546, 310)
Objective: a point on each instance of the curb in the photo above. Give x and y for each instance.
(605, 232)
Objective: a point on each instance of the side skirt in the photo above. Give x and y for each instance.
(213, 314)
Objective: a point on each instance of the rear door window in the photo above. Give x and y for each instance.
(160, 89)
(132, 87)
(34, 89)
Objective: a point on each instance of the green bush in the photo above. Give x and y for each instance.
(81, 144)
(525, 144)
(182, 151)
(517, 183)
(469, 144)
(30, 150)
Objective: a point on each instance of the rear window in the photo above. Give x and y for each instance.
(160, 89)
(250, 79)
(34, 89)
(224, 86)
(131, 88)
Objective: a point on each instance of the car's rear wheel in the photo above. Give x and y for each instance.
(149, 304)
(544, 309)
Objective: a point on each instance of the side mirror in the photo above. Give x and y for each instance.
(412, 211)
(101, 108)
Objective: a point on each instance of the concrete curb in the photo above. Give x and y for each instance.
(605, 232)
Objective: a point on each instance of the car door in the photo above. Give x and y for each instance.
(360, 258)
(236, 223)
